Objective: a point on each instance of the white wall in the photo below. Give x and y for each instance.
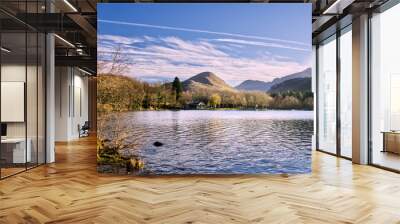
(71, 102)
(62, 82)
(80, 109)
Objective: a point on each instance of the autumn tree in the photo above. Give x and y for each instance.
(121, 93)
(215, 100)
(113, 62)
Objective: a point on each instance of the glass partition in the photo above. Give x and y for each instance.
(327, 95)
(41, 96)
(385, 89)
(22, 88)
(14, 153)
(31, 98)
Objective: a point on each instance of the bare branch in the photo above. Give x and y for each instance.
(118, 63)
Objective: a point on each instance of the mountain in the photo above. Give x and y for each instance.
(303, 74)
(206, 81)
(296, 85)
(252, 85)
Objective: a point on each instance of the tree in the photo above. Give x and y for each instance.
(308, 103)
(177, 87)
(113, 62)
(215, 100)
(119, 93)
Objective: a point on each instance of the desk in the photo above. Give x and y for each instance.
(13, 150)
(391, 141)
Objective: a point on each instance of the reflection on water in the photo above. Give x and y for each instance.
(202, 142)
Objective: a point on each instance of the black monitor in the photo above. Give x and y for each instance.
(3, 129)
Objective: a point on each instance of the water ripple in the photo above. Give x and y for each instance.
(209, 142)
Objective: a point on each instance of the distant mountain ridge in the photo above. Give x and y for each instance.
(208, 81)
(296, 85)
(254, 85)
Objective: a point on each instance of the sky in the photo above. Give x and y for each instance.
(236, 42)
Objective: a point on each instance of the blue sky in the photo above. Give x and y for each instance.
(235, 41)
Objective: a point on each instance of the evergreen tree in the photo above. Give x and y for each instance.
(177, 87)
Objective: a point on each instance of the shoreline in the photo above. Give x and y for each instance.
(216, 109)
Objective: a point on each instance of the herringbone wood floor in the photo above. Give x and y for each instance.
(70, 191)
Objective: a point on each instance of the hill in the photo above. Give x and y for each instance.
(303, 74)
(206, 81)
(294, 85)
(254, 85)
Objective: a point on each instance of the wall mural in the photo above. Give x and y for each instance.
(204, 89)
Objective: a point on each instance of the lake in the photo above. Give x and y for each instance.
(219, 141)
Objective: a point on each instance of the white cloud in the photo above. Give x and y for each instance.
(172, 56)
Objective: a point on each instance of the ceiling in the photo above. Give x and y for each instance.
(75, 21)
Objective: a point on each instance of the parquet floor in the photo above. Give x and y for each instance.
(70, 191)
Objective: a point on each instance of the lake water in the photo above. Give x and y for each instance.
(220, 142)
